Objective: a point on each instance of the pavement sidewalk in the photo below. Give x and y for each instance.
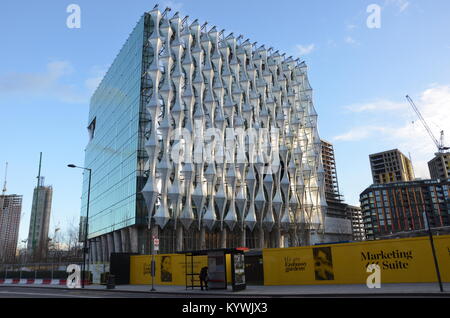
(283, 291)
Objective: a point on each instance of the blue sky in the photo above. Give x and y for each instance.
(360, 77)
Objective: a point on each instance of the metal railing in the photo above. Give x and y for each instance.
(35, 271)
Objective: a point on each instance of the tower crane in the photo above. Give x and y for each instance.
(439, 143)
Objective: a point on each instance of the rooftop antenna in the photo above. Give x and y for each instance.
(4, 184)
(230, 35)
(155, 7)
(184, 20)
(204, 25)
(166, 11)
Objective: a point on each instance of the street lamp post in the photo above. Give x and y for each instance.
(433, 250)
(86, 222)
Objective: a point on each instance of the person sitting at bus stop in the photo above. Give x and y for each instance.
(204, 277)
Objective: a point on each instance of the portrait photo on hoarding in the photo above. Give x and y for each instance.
(323, 263)
(166, 269)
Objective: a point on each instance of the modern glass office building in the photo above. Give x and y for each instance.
(173, 76)
(114, 153)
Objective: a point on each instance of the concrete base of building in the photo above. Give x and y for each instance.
(138, 239)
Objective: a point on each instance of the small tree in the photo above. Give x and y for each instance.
(71, 248)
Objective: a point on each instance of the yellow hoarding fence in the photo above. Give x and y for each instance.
(400, 261)
(170, 268)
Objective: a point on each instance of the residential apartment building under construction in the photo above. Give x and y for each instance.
(439, 166)
(40, 221)
(329, 165)
(391, 166)
(337, 208)
(10, 210)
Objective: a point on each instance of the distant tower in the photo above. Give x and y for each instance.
(40, 219)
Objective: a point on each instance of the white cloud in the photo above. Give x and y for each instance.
(350, 40)
(52, 83)
(360, 133)
(379, 105)
(351, 26)
(396, 125)
(402, 5)
(18, 82)
(305, 49)
(332, 43)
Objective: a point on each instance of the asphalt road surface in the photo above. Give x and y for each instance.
(30, 292)
(36, 292)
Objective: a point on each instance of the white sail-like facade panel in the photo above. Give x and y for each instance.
(232, 141)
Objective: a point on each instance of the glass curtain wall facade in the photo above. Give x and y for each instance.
(112, 152)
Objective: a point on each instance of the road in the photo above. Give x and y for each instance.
(46, 292)
(30, 292)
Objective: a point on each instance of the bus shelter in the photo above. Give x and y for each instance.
(217, 268)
